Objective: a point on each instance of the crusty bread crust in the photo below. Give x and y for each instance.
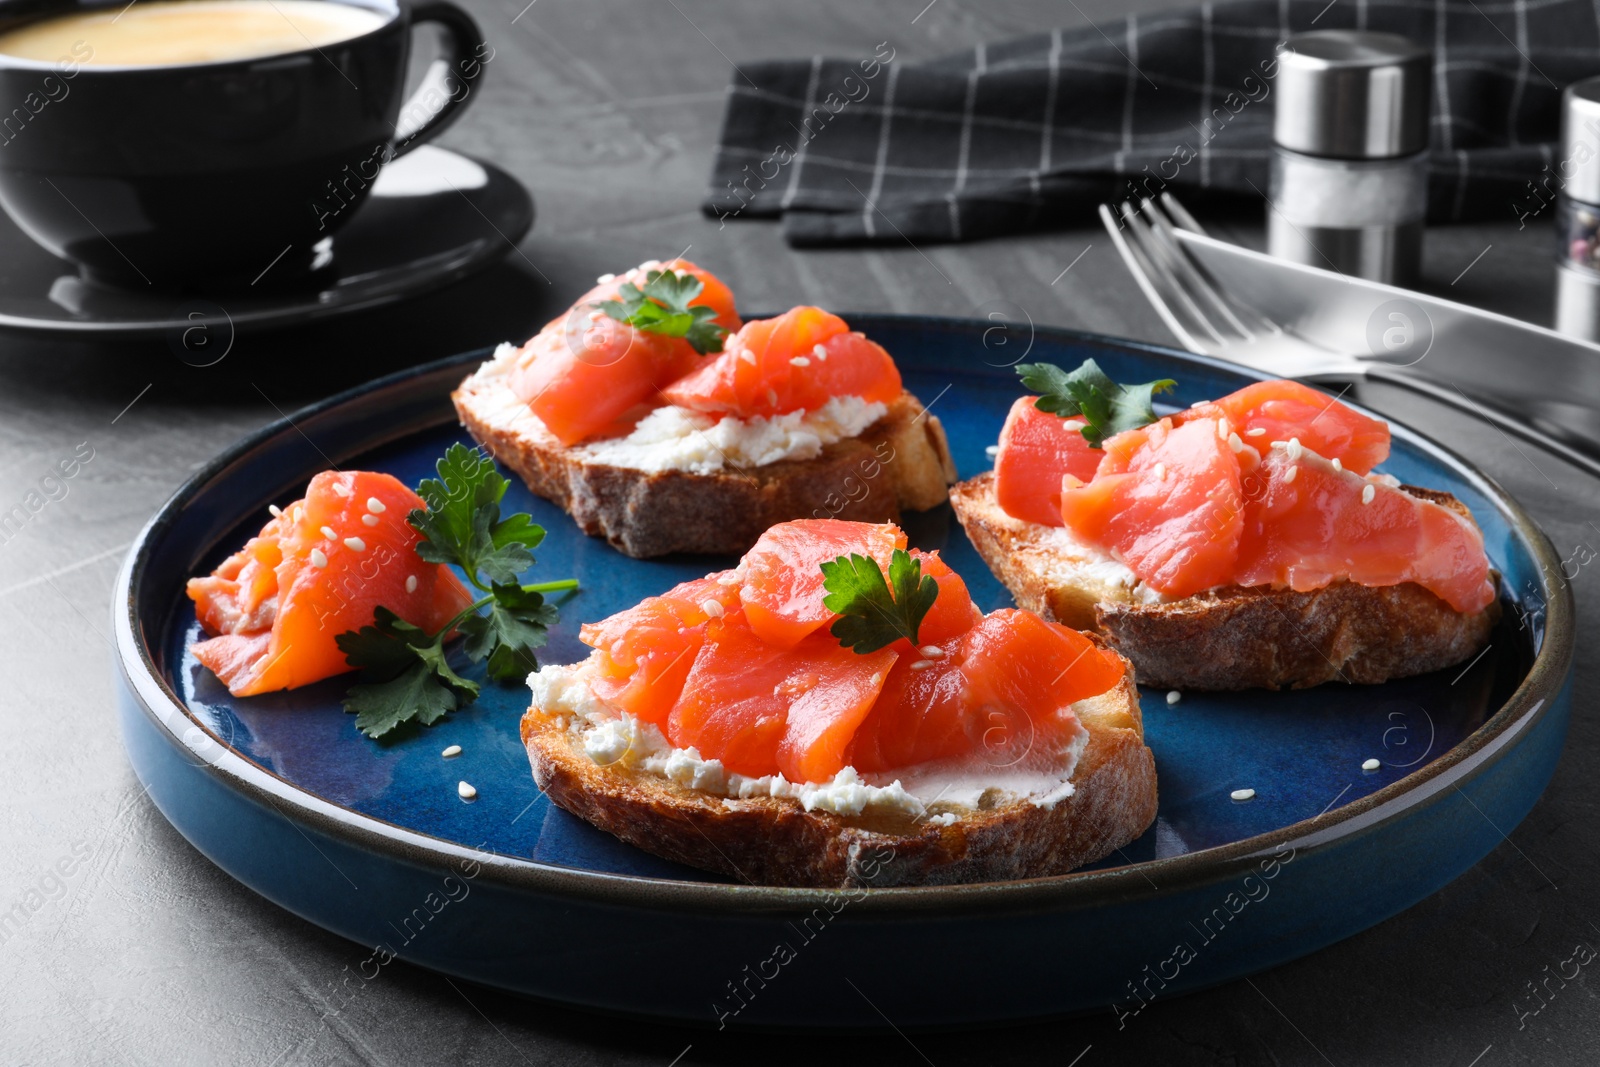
(1230, 638)
(775, 841)
(902, 462)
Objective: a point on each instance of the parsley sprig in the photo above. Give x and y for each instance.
(873, 613)
(1089, 393)
(405, 672)
(661, 306)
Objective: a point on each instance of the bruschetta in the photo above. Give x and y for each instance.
(661, 421)
(737, 723)
(1239, 543)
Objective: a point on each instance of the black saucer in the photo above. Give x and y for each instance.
(434, 216)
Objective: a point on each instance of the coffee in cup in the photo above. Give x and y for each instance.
(169, 32)
(197, 145)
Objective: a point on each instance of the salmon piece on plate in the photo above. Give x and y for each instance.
(317, 569)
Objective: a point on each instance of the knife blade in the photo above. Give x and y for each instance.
(1493, 356)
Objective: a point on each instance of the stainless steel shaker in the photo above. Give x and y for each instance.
(1574, 184)
(1349, 184)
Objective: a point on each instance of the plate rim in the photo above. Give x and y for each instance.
(1532, 699)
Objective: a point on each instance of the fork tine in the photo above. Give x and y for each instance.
(1167, 266)
(1181, 214)
(1193, 276)
(1142, 273)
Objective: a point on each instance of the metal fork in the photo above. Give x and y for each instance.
(1210, 321)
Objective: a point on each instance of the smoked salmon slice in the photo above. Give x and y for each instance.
(1307, 528)
(795, 362)
(782, 591)
(645, 652)
(1191, 507)
(585, 371)
(1009, 683)
(763, 710)
(952, 614)
(1036, 449)
(315, 571)
(1283, 410)
(785, 697)
(1166, 501)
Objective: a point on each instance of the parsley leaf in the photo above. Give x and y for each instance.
(870, 617)
(507, 636)
(461, 524)
(662, 306)
(1089, 393)
(404, 675)
(405, 671)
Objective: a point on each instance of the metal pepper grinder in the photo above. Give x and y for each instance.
(1349, 186)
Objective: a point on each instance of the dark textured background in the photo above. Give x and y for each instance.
(608, 112)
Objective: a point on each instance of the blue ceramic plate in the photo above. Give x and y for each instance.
(371, 840)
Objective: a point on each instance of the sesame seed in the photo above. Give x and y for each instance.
(340, 489)
(369, 520)
(992, 450)
(318, 558)
(1243, 794)
(1337, 465)
(1173, 696)
(1371, 765)
(922, 664)
(1294, 448)
(712, 608)
(748, 356)
(328, 532)
(1257, 431)
(1288, 475)
(799, 361)
(452, 752)
(729, 580)
(1367, 493)
(411, 583)
(772, 397)
(606, 279)
(465, 791)
(376, 506)
(596, 316)
(931, 651)
(876, 679)
(274, 510)
(1235, 443)
(355, 544)
(820, 352)
(1161, 472)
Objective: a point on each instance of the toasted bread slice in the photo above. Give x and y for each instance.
(774, 840)
(901, 462)
(1228, 638)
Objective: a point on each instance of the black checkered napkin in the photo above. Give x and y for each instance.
(1031, 132)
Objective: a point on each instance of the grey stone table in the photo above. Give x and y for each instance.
(147, 954)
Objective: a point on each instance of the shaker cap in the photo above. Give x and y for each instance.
(1579, 169)
(1352, 94)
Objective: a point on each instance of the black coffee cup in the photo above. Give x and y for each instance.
(216, 177)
